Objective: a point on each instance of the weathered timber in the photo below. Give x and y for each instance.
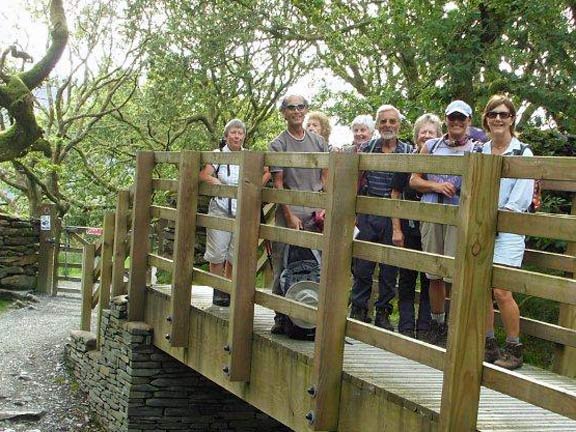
(244, 266)
(470, 295)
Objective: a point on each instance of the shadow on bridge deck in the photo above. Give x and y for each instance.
(380, 391)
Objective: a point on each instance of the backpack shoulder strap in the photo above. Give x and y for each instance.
(435, 145)
(521, 150)
(371, 145)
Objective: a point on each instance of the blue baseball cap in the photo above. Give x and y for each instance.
(460, 107)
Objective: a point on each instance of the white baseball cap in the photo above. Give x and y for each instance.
(460, 107)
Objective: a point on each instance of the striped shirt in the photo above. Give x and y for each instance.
(379, 183)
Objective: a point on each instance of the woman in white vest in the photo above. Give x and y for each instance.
(219, 244)
(515, 195)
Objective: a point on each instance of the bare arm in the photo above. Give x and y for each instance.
(207, 175)
(292, 221)
(397, 234)
(324, 178)
(422, 185)
(266, 176)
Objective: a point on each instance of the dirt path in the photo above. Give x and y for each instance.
(36, 392)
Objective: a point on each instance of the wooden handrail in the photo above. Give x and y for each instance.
(556, 172)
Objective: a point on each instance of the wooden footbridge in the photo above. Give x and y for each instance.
(354, 377)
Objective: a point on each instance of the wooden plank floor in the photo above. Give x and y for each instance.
(412, 383)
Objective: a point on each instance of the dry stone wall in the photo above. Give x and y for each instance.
(19, 243)
(134, 387)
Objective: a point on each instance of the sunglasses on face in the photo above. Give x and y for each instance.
(299, 107)
(457, 116)
(502, 114)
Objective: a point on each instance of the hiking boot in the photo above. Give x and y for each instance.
(382, 320)
(220, 298)
(491, 350)
(408, 333)
(423, 335)
(359, 313)
(438, 334)
(278, 327)
(511, 356)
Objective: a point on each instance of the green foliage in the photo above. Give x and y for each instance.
(4, 304)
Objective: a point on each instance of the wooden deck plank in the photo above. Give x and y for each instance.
(409, 384)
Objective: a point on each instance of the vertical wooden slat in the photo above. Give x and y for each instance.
(56, 236)
(87, 286)
(46, 251)
(246, 229)
(120, 233)
(184, 247)
(565, 357)
(105, 267)
(140, 243)
(334, 290)
(471, 292)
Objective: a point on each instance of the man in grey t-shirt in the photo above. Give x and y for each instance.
(294, 139)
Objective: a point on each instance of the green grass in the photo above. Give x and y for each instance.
(4, 305)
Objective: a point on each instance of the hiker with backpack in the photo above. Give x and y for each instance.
(219, 244)
(294, 139)
(375, 228)
(515, 195)
(443, 189)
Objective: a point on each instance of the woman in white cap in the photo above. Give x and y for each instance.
(444, 189)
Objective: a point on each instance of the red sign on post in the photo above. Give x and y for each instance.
(94, 231)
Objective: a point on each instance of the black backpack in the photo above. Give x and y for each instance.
(300, 264)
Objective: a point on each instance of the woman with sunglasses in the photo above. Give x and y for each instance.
(515, 195)
(443, 189)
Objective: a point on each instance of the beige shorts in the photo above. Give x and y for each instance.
(438, 239)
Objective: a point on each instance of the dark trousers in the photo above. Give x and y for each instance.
(407, 293)
(375, 229)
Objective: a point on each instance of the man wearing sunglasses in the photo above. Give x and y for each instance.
(294, 139)
(443, 189)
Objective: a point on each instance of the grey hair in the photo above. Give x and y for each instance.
(234, 123)
(284, 101)
(365, 120)
(388, 107)
(424, 119)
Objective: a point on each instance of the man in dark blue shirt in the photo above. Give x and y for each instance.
(377, 228)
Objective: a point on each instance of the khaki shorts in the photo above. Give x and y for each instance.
(438, 239)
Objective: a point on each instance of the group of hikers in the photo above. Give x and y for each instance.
(309, 132)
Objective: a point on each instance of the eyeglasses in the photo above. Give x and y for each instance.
(502, 114)
(457, 116)
(299, 107)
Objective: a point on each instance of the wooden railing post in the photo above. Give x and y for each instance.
(105, 267)
(56, 236)
(120, 233)
(46, 267)
(471, 292)
(334, 291)
(184, 240)
(246, 230)
(565, 357)
(140, 242)
(87, 285)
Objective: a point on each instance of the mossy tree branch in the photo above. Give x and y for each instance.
(16, 93)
